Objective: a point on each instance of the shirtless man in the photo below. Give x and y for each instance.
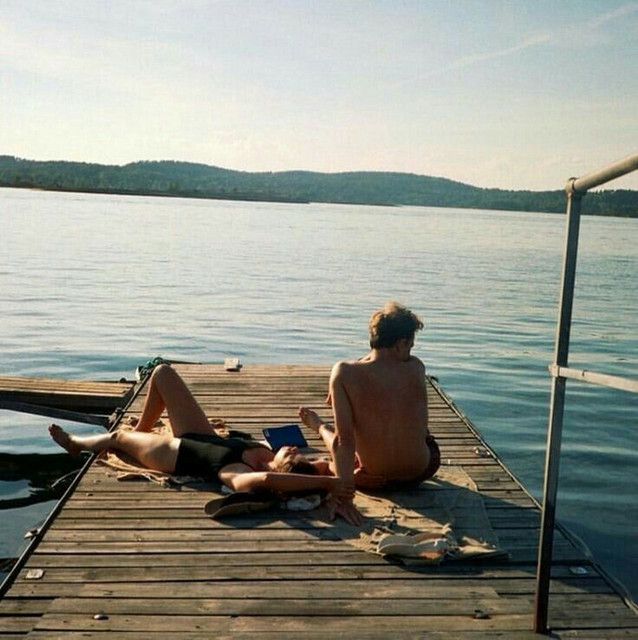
(380, 435)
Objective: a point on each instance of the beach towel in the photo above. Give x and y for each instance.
(444, 519)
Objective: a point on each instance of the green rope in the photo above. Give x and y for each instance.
(146, 369)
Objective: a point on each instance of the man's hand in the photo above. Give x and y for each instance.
(340, 491)
(345, 509)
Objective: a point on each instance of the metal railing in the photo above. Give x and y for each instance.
(576, 189)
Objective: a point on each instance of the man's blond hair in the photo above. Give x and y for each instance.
(392, 323)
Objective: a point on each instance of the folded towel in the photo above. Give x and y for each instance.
(431, 548)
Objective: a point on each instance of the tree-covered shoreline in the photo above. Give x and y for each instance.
(190, 180)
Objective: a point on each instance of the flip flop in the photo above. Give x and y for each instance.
(239, 503)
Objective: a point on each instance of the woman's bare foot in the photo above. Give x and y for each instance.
(61, 437)
(310, 418)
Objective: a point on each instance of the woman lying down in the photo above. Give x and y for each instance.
(194, 449)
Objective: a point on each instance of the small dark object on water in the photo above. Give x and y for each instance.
(100, 616)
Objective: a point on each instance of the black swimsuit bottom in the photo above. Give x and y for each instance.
(203, 455)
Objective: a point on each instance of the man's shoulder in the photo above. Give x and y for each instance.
(347, 369)
(342, 366)
(417, 368)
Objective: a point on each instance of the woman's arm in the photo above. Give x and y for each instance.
(322, 467)
(240, 477)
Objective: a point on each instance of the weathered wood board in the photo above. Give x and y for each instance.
(71, 395)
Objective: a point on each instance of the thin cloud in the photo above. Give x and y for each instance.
(619, 12)
(476, 58)
(535, 40)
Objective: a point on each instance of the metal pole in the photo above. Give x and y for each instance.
(554, 432)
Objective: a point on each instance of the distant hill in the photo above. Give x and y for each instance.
(185, 179)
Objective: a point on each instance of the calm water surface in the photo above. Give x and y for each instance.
(93, 285)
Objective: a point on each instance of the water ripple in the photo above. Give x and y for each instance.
(202, 280)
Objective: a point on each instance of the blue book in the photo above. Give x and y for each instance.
(287, 436)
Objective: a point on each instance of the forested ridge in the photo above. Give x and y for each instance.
(169, 178)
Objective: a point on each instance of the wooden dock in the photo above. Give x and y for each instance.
(68, 395)
(135, 560)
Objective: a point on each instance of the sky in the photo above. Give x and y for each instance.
(515, 94)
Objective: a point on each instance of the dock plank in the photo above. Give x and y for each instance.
(303, 635)
(259, 622)
(71, 395)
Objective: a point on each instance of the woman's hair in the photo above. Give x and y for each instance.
(392, 323)
(298, 465)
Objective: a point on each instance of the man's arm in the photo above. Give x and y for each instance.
(343, 445)
(423, 393)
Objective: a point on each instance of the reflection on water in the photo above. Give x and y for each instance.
(36, 477)
(92, 286)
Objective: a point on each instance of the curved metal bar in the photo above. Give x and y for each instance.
(620, 168)
(603, 379)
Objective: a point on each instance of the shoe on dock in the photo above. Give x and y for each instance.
(239, 503)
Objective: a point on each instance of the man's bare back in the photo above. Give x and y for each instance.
(388, 404)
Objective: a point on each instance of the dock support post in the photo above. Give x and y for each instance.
(557, 403)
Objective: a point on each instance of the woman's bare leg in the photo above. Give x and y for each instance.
(75, 444)
(312, 420)
(153, 451)
(168, 391)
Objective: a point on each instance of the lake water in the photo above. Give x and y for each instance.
(93, 285)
